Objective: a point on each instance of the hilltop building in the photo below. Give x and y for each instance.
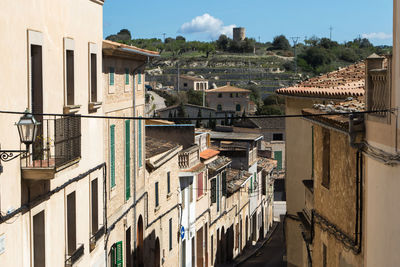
(239, 34)
(187, 82)
(230, 98)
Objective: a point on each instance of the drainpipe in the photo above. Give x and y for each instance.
(105, 212)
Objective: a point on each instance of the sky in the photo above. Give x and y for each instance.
(205, 20)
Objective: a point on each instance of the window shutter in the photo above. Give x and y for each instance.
(112, 155)
(156, 193)
(140, 143)
(112, 71)
(278, 157)
(218, 188)
(200, 184)
(224, 183)
(251, 184)
(127, 159)
(168, 182)
(213, 188)
(126, 76)
(119, 258)
(112, 256)
(170, 234)
(139, 77)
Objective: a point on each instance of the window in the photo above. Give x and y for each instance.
(111, 76)
(277, 137)
(95, 206)
(71, 223)
(217, 190)
(278, 157)
(112, 156)
(219, 95)
(213, 189)
(39, 237)
(170, 234)
(219, 107)
(140, 143)
(326, 158)
(223, 183)
(93, 77)
(324, 255)
(185, 84)
(168, 182)
(231, 95)
(156, 194)
(70, 79)
(191, 192)
(251, 184)
(237, 236)
(199, 184)
(139, 77)
(127, 159)
(237, 94)
(238, 107)
(126, 76)
(116, 255)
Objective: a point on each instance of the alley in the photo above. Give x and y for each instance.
(271, 254)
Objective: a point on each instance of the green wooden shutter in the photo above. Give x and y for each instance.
(251, 184)
(139, 77)
(112, 256)
(218, 180)
(119, 256)
(112, 155)
(112, 71)
(127, 159)
(140, 143)
(126, 76)
(213, 187)
(224, 183)
(170, 234)
(278, 157)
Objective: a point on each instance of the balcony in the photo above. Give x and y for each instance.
(96, 236)
(189, 157)
(72, 259)
(306, 216)
(57, 145)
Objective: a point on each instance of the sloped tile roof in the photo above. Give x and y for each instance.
(208, 153)
(228, 89)
(345, 82)
(107, 44)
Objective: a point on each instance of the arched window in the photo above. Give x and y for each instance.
(219, 107)
(238, 107)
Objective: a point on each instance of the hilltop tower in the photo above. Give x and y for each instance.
(239, 34)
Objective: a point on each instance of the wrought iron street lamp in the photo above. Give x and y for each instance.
(27, 129)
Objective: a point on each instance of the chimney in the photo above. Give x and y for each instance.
(228, 83)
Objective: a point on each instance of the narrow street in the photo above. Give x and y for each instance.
(271, 254)
(155, 104)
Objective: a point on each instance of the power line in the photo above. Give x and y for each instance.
(202, 118)
(295, 39)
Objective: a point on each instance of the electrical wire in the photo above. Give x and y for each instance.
(200, 118)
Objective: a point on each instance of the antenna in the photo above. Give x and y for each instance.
(164, 36)
(295, 39)
(330, 33)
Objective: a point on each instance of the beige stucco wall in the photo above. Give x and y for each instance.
(81, 21)
(298, 168)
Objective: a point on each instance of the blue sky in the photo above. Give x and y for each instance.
(204, 20)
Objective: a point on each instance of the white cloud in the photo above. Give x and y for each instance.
(377, 35)
(207, 24)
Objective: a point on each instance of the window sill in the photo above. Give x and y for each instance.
(156, 209)
(94, 106)
(71, 109)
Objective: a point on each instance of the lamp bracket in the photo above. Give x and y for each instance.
(8, 155)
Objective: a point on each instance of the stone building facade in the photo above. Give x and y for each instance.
(187, 82)
(229, 98)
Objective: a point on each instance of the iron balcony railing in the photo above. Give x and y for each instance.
(72, 259)
(58, 142)
(96, 236)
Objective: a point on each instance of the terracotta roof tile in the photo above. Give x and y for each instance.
(208, 153)
(115, 45)
(345, 82)
(228, 89)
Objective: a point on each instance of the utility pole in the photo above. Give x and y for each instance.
(330, 33)
(295, 39)
(164, 36)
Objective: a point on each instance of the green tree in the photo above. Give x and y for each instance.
(223, 42)
(198, 122)
(280, 43)
(195, 97)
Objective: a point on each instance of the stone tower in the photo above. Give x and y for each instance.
(239, 34)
